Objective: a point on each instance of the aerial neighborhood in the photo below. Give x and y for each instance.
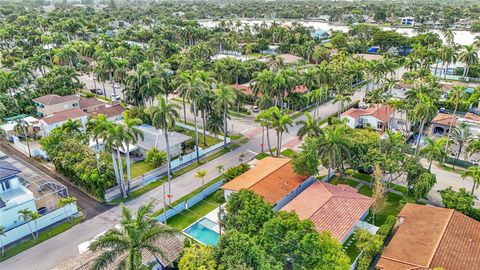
(227, 135)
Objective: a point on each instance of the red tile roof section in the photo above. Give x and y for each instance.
(445, 119)
(381, 112)
(109, 110)
(89, 102)
(271, 178)
(55, 99)
(63, 116)
(331, 208)
(432, 237)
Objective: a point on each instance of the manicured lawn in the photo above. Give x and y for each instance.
(362, 176)
(391, 208)
(183, 219)
(42, 236)
(346, 181)
(139, 192)
(140, 167)
(288, 153)
(262, 155)
(209, 139)
(350, 248)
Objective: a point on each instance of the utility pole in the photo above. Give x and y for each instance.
(164, 205)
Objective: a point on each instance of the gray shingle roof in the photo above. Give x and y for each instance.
(7, 170)
(151, 135)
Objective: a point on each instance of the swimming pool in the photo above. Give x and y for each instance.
(203, 232)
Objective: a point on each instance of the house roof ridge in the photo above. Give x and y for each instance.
(442, 236)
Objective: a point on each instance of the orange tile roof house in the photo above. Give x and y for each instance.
(430, 237)
(377, 116)
(336, 209)
(272, 178)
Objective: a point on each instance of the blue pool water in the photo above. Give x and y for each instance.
(202, 231)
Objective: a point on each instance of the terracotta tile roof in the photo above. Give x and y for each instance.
(331, 208)
(89, 102)
(55, 99)
(246, 89)
(432, 237)
(381, 112)
(445, 119)
(63, 116)
(368, 57)
(109, 110)
(271, 178)
(300, 89)
(289, 58)
(472, 117)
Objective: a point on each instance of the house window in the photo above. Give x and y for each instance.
(5, 185)
(74, 105)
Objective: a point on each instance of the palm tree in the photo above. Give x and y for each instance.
(308, 127)
(136, 236)
(191, 86)
(64, 202)
(97, 128)
(34, 216)
(163, 116)
(333, 147)
(115, 136)
(455, 96)
(21, 129)
(26, 216)
(474, 173)
(107, 62)
(201, 175)
(342, 98)
(280, 122)
(462, 136)
(449, 55)
(72, 127)
(2, 234)
(132, 134)
(434, 150)
(215, 123)
(8, 82)
(469, 56)
(224, 98)
(423, 111)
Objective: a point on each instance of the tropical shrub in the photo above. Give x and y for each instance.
(155, 157)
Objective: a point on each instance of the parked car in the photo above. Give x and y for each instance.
(116, 97)
(99, 92)
(255, 109)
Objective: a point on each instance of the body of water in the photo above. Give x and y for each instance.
(461, 37)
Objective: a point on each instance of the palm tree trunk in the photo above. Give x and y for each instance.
(196, 131)
(268, 142)
(430, 165)
(278, 144)
(129, 175)
(169, 170)
(113, 84)
(445, 74)
(184, 111)
(115, 169)
(204, 128)
(31, 231)
(3, 248)
(420, 131)
(120, 173)
(224, 128)
(450, 128)
(458, 155)
(263, 138)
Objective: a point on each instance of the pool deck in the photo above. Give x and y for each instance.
(213, 216)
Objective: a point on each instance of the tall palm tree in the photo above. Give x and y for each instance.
(449, 55)
(114, 139)
(265, 120)
(26, 216)
(125, 245)
(64, 202)
(163, 116)
(423, 111)
(474, 173)
(333, 147)
(22, 129)
(469, 56)
(280, 122)
(132, 134)
(34, 216)
(308, 127)
(455, 96)
(97, 129)
(215, 123)
(107, 62)
(192, 85)
(8, 82)
(224, 98)
(434, 150)
(461, 135)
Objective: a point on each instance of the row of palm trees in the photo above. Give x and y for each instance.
(275, 119)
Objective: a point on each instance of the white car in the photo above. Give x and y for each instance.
(116, 97)
(255, 109)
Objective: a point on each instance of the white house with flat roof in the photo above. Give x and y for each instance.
(13, 196)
